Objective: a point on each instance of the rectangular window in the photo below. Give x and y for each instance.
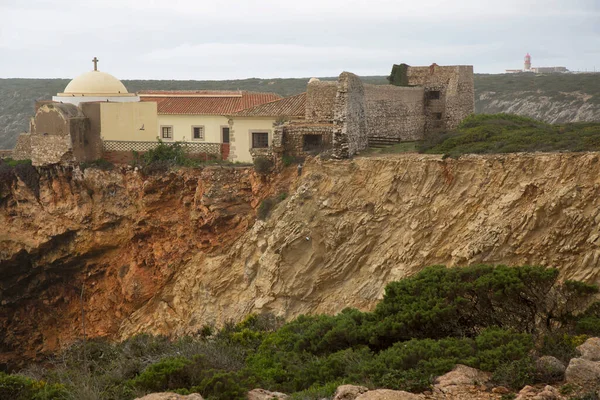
(225, 134)
(197, 133)
(260, 140)
(437, 116)
(433, 95)
(166, 132)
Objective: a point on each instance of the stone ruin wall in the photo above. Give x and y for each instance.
(22, 150)
(395, 112)
(293, 137)
(349, 117)
(457, 97)
(320, 101)
(59, 133)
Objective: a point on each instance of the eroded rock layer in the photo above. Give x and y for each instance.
(350, 227)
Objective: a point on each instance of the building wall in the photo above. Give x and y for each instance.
(395, 112)
(22, 150)
(182, 126)
(240, 135)
(457, 90)
(320, 100)
(124, 121)
(61, 133)
(293, 137)
(349, 117)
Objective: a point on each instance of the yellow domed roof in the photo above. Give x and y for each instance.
(95, 82)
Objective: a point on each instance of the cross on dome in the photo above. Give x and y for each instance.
(95, 61)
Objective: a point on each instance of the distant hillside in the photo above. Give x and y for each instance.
(551, 98)
(554, 98)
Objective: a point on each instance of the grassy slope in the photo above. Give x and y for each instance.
(504, 133)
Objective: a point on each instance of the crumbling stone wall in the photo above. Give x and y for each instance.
(457, 93)
(22, 150)
(394, 112)
(320, 100)
(60, 133)
(50, 149)
(349, 117)
(294, 136)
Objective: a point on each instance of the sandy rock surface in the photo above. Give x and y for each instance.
(590, 349)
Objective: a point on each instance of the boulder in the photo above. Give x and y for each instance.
(500, 390)
(583, 372)
(590, 350)
(462, 375)
(385, 394)
(526, 393)
(550, 368)
(530, 393)
(349, 392)
(549, 393)
(261, 394)
(170, 396)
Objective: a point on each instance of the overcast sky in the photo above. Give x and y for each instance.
(230, 39)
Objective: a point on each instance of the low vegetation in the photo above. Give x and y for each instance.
(265, 207)
(505, 133)
(495, 318)
(263, 165)
(168, 155)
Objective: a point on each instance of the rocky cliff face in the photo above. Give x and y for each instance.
(171, 254)
(568, 107)
(117, 235)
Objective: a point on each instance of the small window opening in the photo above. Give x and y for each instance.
(437, 115)
(433, 95)
(312, 142)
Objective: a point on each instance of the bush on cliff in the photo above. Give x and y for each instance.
(494, 318)
(18, 387)
(265, 207)
(506, 133)
(263, 165)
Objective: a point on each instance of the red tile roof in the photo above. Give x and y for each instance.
(205, 102)
(293, 106)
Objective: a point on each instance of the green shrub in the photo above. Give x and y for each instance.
(561, 345)
(515, 374)
(168, 153)
(588, 326)
(318, 392)
(496, 346)
(287, 160)
(263, 165)
(265, 206)
(166, 374)
(17, 387)
(440, 302)
(13, 163)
